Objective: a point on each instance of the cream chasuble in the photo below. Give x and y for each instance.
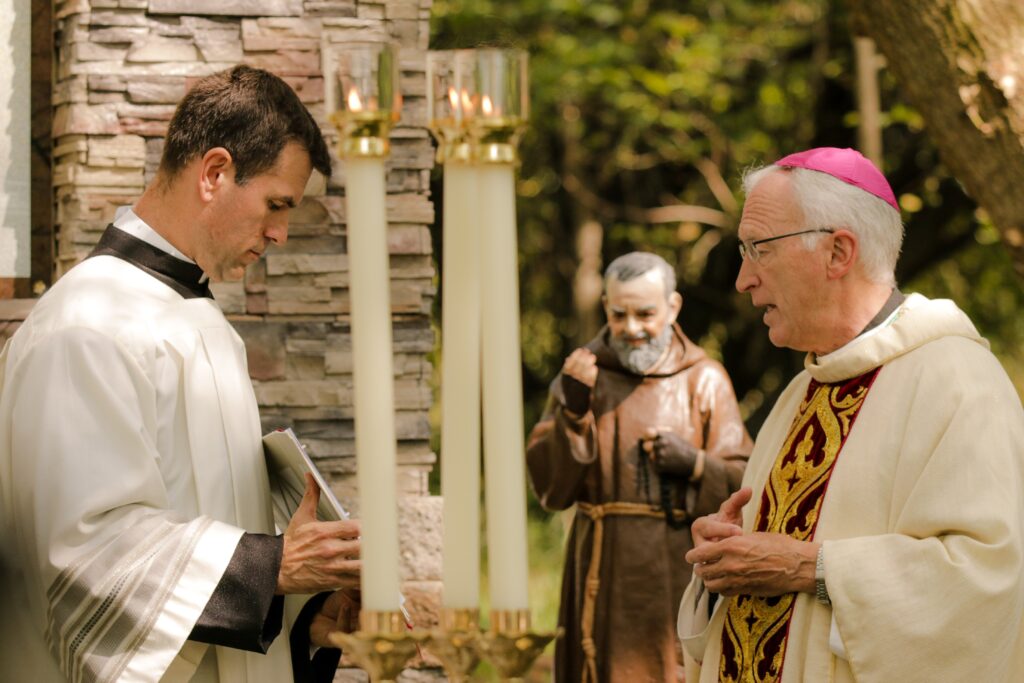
(921, 523)
(130, 465)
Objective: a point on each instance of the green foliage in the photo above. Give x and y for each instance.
(641, 104)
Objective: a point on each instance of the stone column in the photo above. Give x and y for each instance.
(15, 133)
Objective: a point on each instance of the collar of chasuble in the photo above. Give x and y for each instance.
(183, 277)
(756, 628)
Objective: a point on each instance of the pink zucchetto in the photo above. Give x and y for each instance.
(848, 165)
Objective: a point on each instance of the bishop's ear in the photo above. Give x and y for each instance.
(216, 167)
(844, 253)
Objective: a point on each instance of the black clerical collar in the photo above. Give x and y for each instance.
(187, 279)
(891, 304)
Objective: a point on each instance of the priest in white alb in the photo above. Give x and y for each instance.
(878, 537)
(138, 542)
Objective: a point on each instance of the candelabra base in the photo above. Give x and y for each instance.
(381, 646)
(457, 643)
(510, 645)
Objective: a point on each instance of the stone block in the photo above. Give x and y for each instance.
(370, 12)
(230, 296)
(171, 27)
(303, 393)
(331, 8)
(155, 90)
(158, 50)
(147, 128)
(234, 8)
(256, 304)
(264, 348)
(71, 90)
(308, 90)
(419, 534)
(272, 34)
(119, 150)
(117, 19)
(299, 294)
(105, 98)
(300, 367)
(410, 208)
(85, 119)
(284, 264)
(220, 45)
(334, 307)
(409, 239)
(118, 34)
(288, 62)
(106, 83)
(314, 245)
(75, 174)
(402, 9)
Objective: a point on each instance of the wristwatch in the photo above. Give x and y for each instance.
(820, 589)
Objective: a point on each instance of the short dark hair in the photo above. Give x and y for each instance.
(637, 263)
(252, 114)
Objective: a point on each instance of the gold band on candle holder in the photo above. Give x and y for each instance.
(365, 148)
(510, 621)
(382, 622)
(462, 619)
(460, 152)
(496, 153)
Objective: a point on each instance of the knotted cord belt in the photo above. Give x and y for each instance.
(597, 513)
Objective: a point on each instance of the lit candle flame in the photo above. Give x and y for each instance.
(467, 103)
(453, 98)
(486, 106)
(354, 103)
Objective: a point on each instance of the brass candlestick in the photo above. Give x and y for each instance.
(510, 645)
(457, 643)
(381, 646)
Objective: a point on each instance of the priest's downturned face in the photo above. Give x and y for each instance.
(639, 316)
(240, 221)
(789, 279)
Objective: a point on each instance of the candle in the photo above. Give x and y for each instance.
(448, 72)
(502, 391)
(460, 389)
(373, 380)
(367, 73)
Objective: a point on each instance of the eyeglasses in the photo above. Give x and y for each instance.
(748, 248)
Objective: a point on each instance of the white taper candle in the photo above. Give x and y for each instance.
(502, 390)
(365, 195)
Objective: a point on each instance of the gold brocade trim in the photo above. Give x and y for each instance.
(597, 513)
(755, 630)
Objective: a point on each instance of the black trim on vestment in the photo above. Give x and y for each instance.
(183, 277)
(243, 611)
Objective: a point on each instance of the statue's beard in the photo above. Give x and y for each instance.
(640, 359)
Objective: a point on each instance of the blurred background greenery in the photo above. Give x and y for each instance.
(644, 115)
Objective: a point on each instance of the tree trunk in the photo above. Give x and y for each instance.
(960, 64)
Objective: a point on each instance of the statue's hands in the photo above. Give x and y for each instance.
(579, 375)
(581, 365)
(669, 452)
(318, 556)
(340, 612)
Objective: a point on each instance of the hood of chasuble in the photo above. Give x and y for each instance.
(916, 322)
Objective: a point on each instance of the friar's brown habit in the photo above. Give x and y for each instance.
(595, 462)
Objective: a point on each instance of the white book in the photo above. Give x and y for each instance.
(287, 463)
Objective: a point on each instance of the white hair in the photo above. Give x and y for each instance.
(828, 202)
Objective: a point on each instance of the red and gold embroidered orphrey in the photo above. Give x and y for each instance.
(754, 636)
